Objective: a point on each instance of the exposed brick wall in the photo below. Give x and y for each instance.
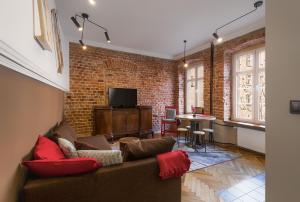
(159, 82)
(222, 72)
(93, 71)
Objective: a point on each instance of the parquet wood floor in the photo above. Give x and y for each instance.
(241, 179)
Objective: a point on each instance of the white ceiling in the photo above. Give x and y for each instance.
(158, 27)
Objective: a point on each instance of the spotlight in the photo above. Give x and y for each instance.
(92, 2)
(107, 37)
(80, 29)
(76, 23)
(216, 35)
(84, 47)
(219, 39)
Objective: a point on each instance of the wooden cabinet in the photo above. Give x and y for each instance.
(105, 125)
(132, 120)
(145, 120)
(122, 122)
(119, 120)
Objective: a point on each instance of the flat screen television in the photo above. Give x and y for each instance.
(122, 97)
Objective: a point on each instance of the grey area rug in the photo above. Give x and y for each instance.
(213, 155)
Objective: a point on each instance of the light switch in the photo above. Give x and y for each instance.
(295, 106)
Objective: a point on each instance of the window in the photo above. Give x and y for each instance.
(249, 86)
(194, 87)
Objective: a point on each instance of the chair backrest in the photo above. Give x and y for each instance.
(171, 112)
(199, 110)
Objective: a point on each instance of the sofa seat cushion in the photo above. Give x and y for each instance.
(98, 142)
(64, 130)
(147, 148)
(46, 149)
(62, 167)
(105, 157)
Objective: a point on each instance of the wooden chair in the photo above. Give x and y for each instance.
(169, 119)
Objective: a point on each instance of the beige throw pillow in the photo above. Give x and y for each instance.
(67, 147)
(106, 157)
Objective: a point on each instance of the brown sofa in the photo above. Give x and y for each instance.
(135, 181)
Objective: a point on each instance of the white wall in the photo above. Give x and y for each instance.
(251, 139)
(18, 44)
(282, 84)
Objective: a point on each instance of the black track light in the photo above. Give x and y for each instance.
(219, 39)
(216, 35)
(85, 18)
(107, 37)
(76, 23)
(84, 47)
(256, 5)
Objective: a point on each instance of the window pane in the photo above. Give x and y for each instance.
(200, 87)
(245, 80)
(200, 72)
(249, 86)
(244, 96)
(245, 62)
(262, 59)
(190, 73)
(261, 96)
(244, 111)
(190, 95)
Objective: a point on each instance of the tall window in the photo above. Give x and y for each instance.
(249, 86)
(194, 87)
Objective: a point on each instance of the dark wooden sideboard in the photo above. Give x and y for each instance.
(122, 122)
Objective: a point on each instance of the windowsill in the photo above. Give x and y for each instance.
(245, 125)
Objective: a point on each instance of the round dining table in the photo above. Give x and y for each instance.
(196, 122)
(196, 117)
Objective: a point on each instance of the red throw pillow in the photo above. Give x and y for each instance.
(47, 149)
(62, 167)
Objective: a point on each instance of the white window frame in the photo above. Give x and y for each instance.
(196, 80)
(255, 89)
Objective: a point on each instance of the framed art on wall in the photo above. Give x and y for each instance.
(42, 24)
(57, 41)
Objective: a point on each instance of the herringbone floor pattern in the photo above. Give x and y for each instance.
(205, 185)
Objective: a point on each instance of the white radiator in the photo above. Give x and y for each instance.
(251, 139)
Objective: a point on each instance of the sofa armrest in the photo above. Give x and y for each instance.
(129, 182)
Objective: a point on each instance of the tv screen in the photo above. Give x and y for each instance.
(122, 97)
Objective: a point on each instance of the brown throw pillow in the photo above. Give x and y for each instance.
(92, 142)
(147, 148)
(84, 146)
(64, 130)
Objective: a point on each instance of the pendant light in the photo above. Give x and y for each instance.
(185, 64)
(85, 18)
